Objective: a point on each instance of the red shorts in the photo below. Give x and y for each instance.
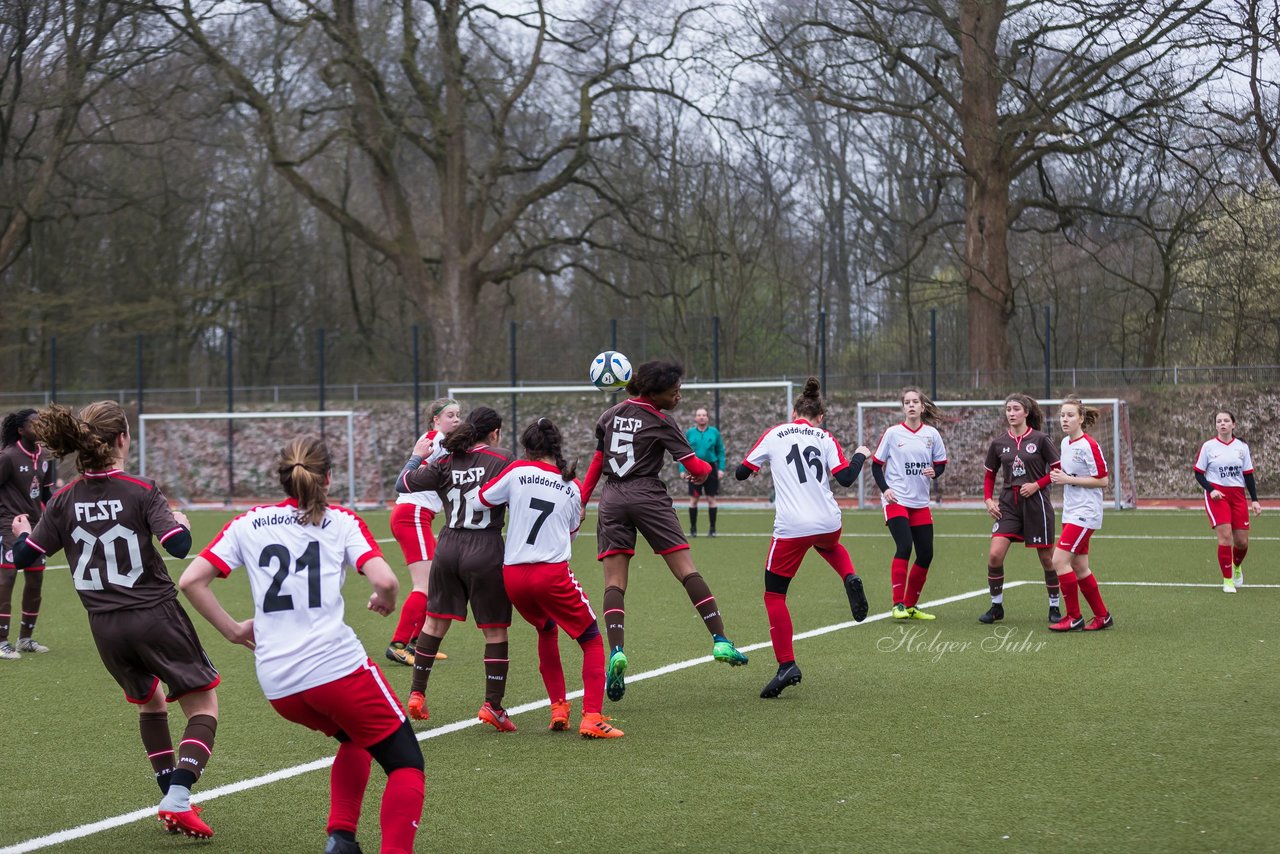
(411, 526)
(549, 591)
(359, 704)
(915, 516)
(786, 554)
(1075, 539)
(1231, 510)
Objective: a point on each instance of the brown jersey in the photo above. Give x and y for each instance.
(24, 477)
(1022, 459)
(105, 521)
(634, 437)
(457, 479)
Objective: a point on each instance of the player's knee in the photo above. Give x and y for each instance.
(548, 626)
(398, 750)
(592, 632)
(774, 583)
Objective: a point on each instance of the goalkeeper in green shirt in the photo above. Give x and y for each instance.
(709, 447)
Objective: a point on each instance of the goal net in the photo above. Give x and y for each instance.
(747, 409)
(968, 428)
(229, 457)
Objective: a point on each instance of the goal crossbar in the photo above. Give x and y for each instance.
(347, 414)
(1112, 402)
(586, 389)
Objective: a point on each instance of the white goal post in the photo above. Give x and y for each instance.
(1121, 454)
(347, 414)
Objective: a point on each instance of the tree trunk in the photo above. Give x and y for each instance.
(987, 176)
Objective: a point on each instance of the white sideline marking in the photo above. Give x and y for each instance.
(92, 828)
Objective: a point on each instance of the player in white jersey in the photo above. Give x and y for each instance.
(310, 663)
(544, 512)
(910, 456)
(1083, 475)
(800, 454)
(411, 526)
(1224, 470)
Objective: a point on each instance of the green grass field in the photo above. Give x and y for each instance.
(1160, 735)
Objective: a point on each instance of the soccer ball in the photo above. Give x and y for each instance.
(610, 370)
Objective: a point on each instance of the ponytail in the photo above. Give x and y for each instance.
(304, 473)
(91, 436)
(929, 412)
(1089, 415)
(479, 423)
(1035, 417)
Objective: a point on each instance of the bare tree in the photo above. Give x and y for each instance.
(54, 57)
(1006, 86)
(465, 120)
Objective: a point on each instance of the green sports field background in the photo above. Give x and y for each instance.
(1159, 735)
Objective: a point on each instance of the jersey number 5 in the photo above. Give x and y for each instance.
(622, 443)
(308, 562)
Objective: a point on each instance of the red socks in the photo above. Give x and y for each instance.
(915, 583)
(549, 663)
(347, 781)
(412, 616)
(1089, 587)
(1071, 593)
(898, 578)
(592, 674)
(1224, 560)
(1237, 555)
(780, 629)
(402, 809)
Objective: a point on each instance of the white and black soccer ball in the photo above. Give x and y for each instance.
(610, 370)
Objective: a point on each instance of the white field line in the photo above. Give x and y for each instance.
(83, 830)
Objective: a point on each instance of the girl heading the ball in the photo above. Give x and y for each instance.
(633, 439)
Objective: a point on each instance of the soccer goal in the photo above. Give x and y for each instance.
(198, 457)
(968, 427)
(748, 408)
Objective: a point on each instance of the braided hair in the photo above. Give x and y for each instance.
(12, 424)
(542, 439)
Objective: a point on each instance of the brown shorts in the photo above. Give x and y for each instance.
(468, 568)
(142, 646)
(8, 541)
(1029, 520)
(643, 505)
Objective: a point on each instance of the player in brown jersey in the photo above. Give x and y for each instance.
(1024, 513)
(26, 483)
(105, 520)
(633, 439)
(467, 567)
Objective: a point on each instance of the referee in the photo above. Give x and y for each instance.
(707, 444)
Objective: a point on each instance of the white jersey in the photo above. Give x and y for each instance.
(429, 499)
(1225, 463)
(1082, 505)
(544, 511)
(905, 454)
(296, 572)
(800, 455)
